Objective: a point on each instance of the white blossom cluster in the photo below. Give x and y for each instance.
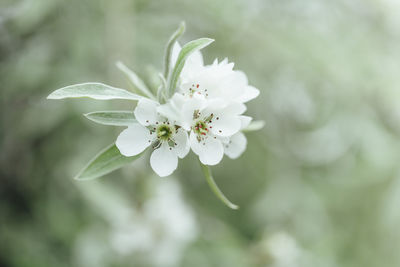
(205, 114)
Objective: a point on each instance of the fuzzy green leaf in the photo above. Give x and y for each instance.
(161, 92)
(186, 51)
(135, 80)
(105, 162)
(115, 118)
(168, 50)
(96, 91)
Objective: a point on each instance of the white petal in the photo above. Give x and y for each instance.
(146, 112)
(245, 121)
(226, 64)
(215, 104)
(168, 111)
(224, 139)
(173, 108)
(250, 93)
(163, 160)
(182, 146)
(242, 77)
(210, 151)
(225, 125)
(195, 61)
(235, 108)
(134, 140)
(193, 66)
(233, 85)
(236, 146)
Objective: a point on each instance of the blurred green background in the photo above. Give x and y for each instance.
(318, 186)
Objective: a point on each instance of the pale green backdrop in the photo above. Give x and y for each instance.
(319, 186)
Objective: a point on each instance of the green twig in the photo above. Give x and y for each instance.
(214, 187)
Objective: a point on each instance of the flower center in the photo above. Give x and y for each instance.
(197, 89)
(164, 132)
(200, 128)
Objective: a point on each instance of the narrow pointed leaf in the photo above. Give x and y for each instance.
(161, 90)
(105, 162)
(254, 126)
(215, 189)
(135, 80)
(96, 91)
(168, 50)
(115, 118)
(186, 51)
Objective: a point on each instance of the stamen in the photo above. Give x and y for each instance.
(196, 114)
(164, 132)
(156, 144)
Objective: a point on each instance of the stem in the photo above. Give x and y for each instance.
(214, 187)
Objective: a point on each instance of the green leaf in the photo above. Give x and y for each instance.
(168, 50)
(214, 187)
(160, 92)
(105, 162)
(254, 126)
(116, 118)
(186, 51)
(135, 80)
(97, 91)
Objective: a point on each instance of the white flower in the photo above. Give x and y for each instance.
(218, 80)
(168, 140)
(211, 123)
(207, 107)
